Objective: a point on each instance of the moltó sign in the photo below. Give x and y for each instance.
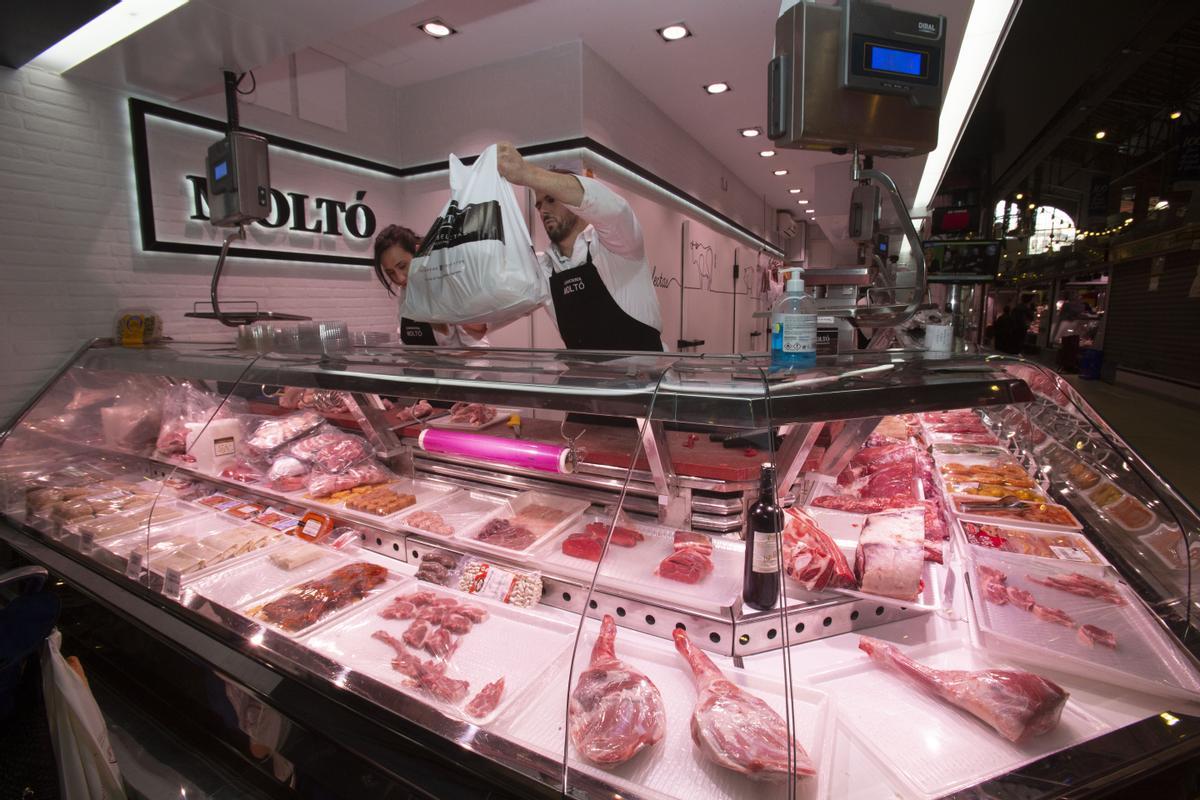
(325, 207)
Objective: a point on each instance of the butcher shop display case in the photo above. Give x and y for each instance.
(404, 571)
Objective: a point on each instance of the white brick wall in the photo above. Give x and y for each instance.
(70, 255)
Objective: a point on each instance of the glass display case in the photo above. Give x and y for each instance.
(530, 573)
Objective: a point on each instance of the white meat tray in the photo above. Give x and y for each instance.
(114, 552)
(446, 423)
(674, 768)
(233, 586)
(466, 512)
(1144, 658)
(572, 507)
(976, 516)
(393, 579)
(632, 569)
(500, 646)
(927, 746)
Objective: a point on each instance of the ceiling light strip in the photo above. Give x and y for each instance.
(117, 23)
(987, 28)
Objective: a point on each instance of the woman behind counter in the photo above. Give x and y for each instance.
(395, 247)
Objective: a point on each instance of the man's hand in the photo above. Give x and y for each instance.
(511, 165)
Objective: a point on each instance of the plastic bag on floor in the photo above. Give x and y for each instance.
(476, 264)
(87, 766)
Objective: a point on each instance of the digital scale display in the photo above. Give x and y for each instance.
(894, 61)
(220, 170)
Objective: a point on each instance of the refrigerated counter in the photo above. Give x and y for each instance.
(409, 570)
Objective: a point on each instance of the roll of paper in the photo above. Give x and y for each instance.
(515, 452)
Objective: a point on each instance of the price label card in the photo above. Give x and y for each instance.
(133, 567)
(172, 582)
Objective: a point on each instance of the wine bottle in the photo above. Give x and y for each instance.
(764, 524)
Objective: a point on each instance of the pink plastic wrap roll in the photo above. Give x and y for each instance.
(516, 452)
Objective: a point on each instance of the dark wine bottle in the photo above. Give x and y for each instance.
(760, 586)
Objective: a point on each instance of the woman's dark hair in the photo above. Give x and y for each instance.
(389, 236)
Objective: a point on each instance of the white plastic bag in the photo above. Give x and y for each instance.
(476, 264)
(87, 766)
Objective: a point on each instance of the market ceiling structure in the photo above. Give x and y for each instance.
(180, 56)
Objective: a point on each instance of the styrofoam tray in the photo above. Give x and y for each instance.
(500, 646)
(502, 415)
(1144, 658)
(1086, 553)
(632, 568)
(78, 531)
(571, 506)
(674, 767)
(161, 539)
(426, 492)
(1168, 546)
(466, 512)
(393, 579)
(977, 516)
(238, 584)
(929, 747)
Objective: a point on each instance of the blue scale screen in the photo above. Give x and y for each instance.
(220, 170)
(900, 62)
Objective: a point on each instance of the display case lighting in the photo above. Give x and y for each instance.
(117, 23)
(673, 33)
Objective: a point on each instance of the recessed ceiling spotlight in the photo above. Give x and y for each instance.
(797, 191)
(435, 28)
(802, 202)
(781, 172)
(673, 33)
(1101, 134)
(1019, 195)
(720, 87)
(1175, 114)
(749, 132)
(810, 211)
(1031, 206)
(766, 153)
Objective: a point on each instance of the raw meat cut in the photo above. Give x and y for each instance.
(1092, 635)
(476, 614)
(1055, 615)
(1018, 704)
(810, 556)
(457, 623)
(860, 505)
(420, 598)
(894, 480)
(891, 554)
(312, 600)
(689, 565)
(432, 677)
(736, 730)
(429, 521)
(488, 698)
(242, 471)
(275, 432)
(415, 635)
(615, 711)
(440, 643)
(583, 545)
(621, 537)
(875, 458)
(418, 410)
(366, 473)
(503, 533)
(333, 451)
(404, 662)
(1020, 598)
(472, 413)
(935, 526)
(697, 541)
(993, 583)
(1082, 585)
(399, 609)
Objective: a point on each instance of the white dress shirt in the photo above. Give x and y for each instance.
(617, 249)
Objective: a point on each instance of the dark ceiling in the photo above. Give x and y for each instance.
(1068, 69)
(28, 28)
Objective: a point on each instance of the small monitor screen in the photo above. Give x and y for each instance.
(220, 170)
(963, 260)
(899, 62)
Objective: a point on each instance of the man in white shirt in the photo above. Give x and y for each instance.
(600, 281)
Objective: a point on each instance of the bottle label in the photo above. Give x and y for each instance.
(766, 552)
(798, 333)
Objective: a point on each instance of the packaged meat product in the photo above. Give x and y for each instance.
(1018, 705)
(614, 710)
(287, 467)
(313, 600)
(295, 555)
(488, 698)
(242, 471)
(327, 401)
(244, 510)
(429, 521)
(1038, 513)
(271, 434)
(583, 545)
(685, 540)
(278, 520)
(890, 555)
(736, 730)
(507, 533)
(507, 586)
(381, 501)
(332, 452)
(1041, 544)
(314, 526)
(810, 556)
(1091, 635)
(366, 473)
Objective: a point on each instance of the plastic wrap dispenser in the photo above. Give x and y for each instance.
(514, 452)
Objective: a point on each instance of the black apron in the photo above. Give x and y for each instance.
(413, 332)
(590, 319)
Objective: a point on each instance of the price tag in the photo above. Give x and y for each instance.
(133, 567)
(345, 539)
(171, 583)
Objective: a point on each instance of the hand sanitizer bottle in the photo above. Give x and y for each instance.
(794, 326)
